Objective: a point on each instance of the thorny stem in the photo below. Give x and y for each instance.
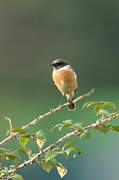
(73, 133)
(32, 123)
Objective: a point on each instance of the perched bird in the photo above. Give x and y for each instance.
(65, 80)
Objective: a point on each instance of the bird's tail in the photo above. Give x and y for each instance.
(71, 106)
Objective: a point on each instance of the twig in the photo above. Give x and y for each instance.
(10, 122)
(91, 126)
(32, 123)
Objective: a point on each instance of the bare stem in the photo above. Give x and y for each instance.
(10, 122)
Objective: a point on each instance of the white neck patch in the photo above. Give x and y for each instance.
(68, 68)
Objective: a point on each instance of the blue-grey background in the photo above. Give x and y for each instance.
(86, 33)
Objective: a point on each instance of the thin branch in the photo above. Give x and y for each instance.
(73, 133)
(10, 122)
(32, 123)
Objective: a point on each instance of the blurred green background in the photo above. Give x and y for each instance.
(86, 33)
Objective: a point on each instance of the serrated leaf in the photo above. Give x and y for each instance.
(61, 170)
(19, 130)
(50, 155)
(115, 128)
(17, 177)
(23, 141)
(67, 123)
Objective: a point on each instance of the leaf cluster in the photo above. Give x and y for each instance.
(48, 159)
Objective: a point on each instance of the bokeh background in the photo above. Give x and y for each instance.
(86, 33)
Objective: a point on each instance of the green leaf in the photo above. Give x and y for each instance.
(67, 123)
(114, 114)
(10, 156)
(109, 105)
(103, 112)
(59, 126)
(28, 135)
(25, 150)
(6, 150)
(72, 149)
(40, 142)
(17, 177)
(78, 125)
(88, 104)
(50, 155)
(61, 170)
(40, 134)
(70, 143)
(115, 128)
(39, 138)
(8, 132)
(12, 166)
(85, 135)
(46, 165)
(19, 130)
(99, 103)
(97, 109)
(21, 150)
(32, 155)
(23, 140)
(104, 128)
(4, 171)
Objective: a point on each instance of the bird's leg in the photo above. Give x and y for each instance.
(71, 105)
(61, 100)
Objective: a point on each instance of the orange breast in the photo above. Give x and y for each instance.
(65, 81)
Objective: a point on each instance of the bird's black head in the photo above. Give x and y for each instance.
(59, 63)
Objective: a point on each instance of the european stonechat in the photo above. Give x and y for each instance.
(65, 80)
